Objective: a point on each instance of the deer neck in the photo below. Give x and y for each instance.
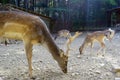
(84, 45)
(73, 37)
(51, 45)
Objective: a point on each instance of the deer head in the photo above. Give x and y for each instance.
(110, 34)
(70, 40)
(64, 57)
(63, 62)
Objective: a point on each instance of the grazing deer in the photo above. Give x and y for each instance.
(98, 36)
(63, 33)
(31, 30)
(71, 39)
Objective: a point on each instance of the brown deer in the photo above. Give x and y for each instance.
(97, 36)
(71, 39)
(63, 33)
(31, 30)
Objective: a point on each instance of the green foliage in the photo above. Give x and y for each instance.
(77, 13)
(112, 2)
(76, 1)
(57, 9)
(4, 1)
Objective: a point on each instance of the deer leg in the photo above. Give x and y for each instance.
(99, 50)
(83, 47)
(6, 42)
(28, 49)
(55, 37)
(92, 44)
(102, 48)
(104, 51)
(91, 50)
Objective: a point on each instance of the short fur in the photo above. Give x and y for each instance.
(97, 36)
(31, 30)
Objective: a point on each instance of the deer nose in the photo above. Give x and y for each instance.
(80, 51)
(65, 70)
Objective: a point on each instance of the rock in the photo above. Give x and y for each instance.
(107, 74)
(76, 73)
(98, 72)
(83, 60)
(100, 77)
(48, 62)
(90, 69)
(73, 74)
(16, 79)
(78, 56)
(1, 78)
(102, 64)
(38, 68)
(71, 68)
(117, 78)
(40, 61)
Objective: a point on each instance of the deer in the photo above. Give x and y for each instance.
(63, 33)
(97, 36)
(31, 29)
(71, 39)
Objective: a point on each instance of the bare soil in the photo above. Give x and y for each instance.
(89, 66)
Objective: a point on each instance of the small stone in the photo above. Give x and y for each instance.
(100, 77)
(102, 64)
(98, 72)
(7, 54)
(1, 78)
(16, 79)
(77, 73)
(73, 74)
(38, 68)
(107, 74)
(41, 61)
(90, 69)
(71, 68)
(117, 78)
(78, 56)
(83, 60)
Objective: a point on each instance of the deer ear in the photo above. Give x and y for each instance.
(61, 54)
(77, 32)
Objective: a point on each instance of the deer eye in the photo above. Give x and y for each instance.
(110, 33)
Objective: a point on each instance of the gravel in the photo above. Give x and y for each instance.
(89, 66)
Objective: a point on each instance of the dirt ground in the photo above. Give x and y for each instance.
(89, 66)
